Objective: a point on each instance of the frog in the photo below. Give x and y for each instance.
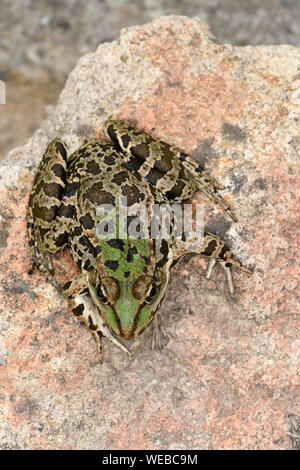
(122, 282)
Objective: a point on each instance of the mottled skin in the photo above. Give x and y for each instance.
(123, 281)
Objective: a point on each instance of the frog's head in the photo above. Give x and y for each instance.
(128, 287)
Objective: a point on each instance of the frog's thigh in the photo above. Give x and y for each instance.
(46, 195)
(153, 159)
(182, 174)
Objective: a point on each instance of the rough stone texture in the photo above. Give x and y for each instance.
(227, 379)
(40, 42)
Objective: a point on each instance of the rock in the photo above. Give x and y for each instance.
(228, 376)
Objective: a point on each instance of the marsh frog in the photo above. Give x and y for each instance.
(122, 281)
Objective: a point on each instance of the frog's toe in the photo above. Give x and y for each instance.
(227, 270)
(233, 262)
(45, 268)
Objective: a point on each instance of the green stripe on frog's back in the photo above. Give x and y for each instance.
(127, 259)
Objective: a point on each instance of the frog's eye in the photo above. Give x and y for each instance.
(101, 295)
(151, 294)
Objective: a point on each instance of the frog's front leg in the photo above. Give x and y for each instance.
(78, 297)
(218, 252)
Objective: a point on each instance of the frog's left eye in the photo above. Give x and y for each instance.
(101, 295)
(151, 294)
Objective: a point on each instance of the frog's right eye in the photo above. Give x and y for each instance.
(151, 294)
(101, 295)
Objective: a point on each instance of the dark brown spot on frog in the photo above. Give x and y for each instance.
(93, 167)
(125, 140)
(116, 243)
(98, 249)
(153, 176)
(71, 189)
(61, 239)
(132, 193)
(133, 164)
(87, 265)
(92, 326)
(112, 264)
(45, 213)
(222, 254)
(112, 133)
(126, 274)
(259, 183)
(109, 159)
(60, 148)
(84, 241)
(131, 251)
(164, 248)
(58, 170)
(67, 285)
(87, 221)
(53, 190)
(77, 231)
(165, 164)
(98, 196)
(120, 177)
(176, 191)
(238, 182)
(141, 151)
(78, 310)
(67, 211)
(208, 251)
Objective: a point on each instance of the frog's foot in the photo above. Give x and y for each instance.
(227, 269)
(77, 294)
(216, 249)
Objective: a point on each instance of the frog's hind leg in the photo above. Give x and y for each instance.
(45, 211)
(37, 258)
(168, 168)
(214, 248)
(76, 293)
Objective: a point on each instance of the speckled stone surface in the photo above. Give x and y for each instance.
(228, 377)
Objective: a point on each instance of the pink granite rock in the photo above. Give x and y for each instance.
(228, 377)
